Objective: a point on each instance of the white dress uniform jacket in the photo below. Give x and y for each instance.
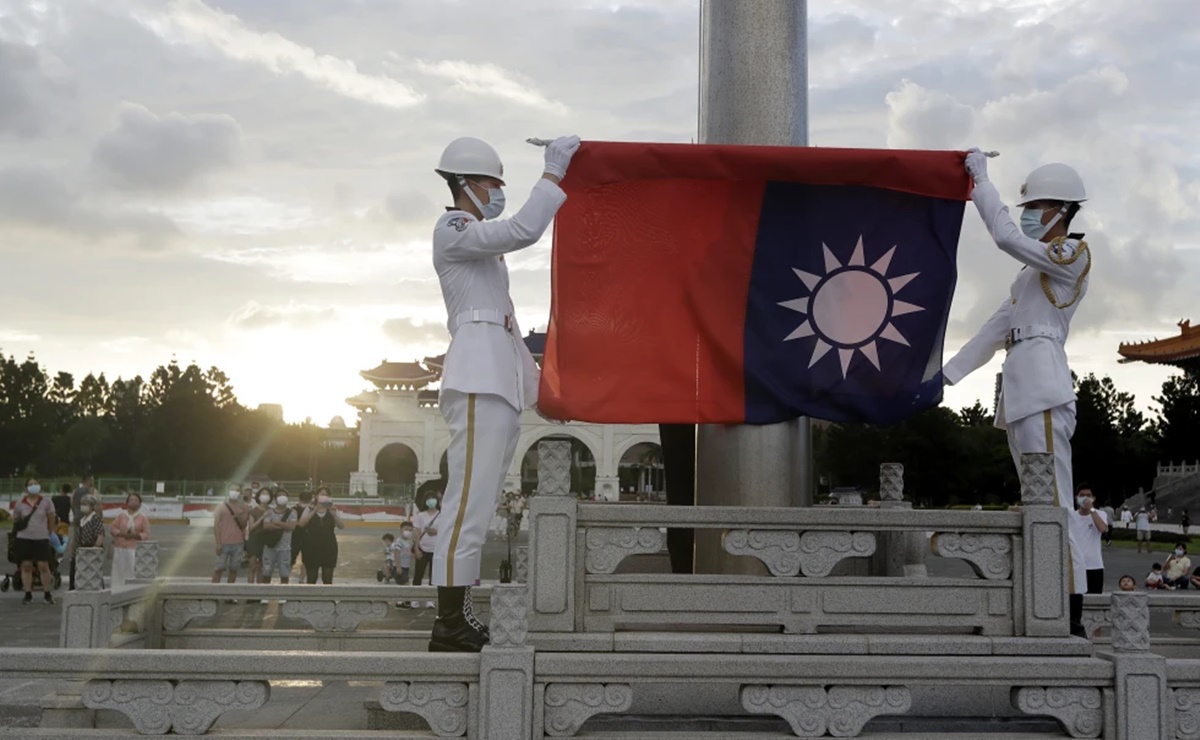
(487, 352)
(1033, 322)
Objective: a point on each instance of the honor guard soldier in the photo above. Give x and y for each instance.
(1036, 398)
(489, 375)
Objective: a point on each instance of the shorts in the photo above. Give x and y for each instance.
(1143, 535)
(277, 559)
(34, 551)
(230, 558)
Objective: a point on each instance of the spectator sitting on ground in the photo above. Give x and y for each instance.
(1177, 568)
(1154, 579)
(1126, 584)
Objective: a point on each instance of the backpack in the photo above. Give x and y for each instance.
(273, 537)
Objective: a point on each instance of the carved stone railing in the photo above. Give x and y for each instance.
(179, 613)
(1184, 607)
(577, 584)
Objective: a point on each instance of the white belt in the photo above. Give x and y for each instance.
(1021, 333)
(482, 316)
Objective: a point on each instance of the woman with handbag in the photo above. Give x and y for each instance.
(33, 521)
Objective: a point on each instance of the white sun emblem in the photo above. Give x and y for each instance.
(851, 306)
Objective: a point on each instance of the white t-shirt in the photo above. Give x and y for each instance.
(1087, 536)
(1143, 521)
(1127, 516)
(421, 521)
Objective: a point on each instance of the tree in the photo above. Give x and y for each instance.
(1177, 427)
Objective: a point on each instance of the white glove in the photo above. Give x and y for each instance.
(558, 155)
(976, 165)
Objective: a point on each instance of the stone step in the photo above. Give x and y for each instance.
(34, 733)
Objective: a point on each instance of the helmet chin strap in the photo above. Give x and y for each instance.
(466, 187)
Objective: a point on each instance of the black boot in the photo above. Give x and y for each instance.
(452, 633)
(1076, 618)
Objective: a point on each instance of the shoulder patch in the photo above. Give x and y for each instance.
(458, 223)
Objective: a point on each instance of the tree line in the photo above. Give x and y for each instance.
(186, 423)
(181, 423)
(953, 458)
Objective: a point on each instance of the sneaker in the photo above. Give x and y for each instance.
(264, 601)
(415, 604)
(231, 601)
(403, 605)
(430, 605)
(28, 598)
(283, 601)
(48, 598)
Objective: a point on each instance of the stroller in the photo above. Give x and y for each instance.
(58, 545)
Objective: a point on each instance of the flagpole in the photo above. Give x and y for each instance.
(753, 90)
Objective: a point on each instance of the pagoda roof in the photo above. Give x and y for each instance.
(411, 374)
(1177, 350)
(435, 363)
(363, 400)
(427, 398)
(536, 342)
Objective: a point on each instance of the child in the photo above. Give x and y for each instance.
(1154, 580)
(389, 558)
(404, 553)
(1126, 583)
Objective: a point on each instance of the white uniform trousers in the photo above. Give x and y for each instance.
(484, 429)
(1051, 431)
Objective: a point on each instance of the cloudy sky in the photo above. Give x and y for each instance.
(248, 183)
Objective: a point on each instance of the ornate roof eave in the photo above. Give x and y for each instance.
(1182, 348)
(365, 400)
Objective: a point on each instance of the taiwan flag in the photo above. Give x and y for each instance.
(751, 285)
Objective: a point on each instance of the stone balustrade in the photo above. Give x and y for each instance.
(186, 614)
(1183, 606)
(576, 550)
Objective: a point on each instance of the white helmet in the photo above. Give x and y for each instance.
(471, 156)
(1053, 182)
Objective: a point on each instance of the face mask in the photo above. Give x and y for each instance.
(85, 509)
(1178, 553)
(35, 489)
(406, 535)
(282, 500)
(1032, 226)
(430, 502)
(263, 499)
(233, 495)
(495, 204)
(1083, 501)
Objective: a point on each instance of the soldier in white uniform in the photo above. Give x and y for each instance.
(1037, 398)
(489, 375)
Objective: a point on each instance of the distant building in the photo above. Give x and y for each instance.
(271, 410)
(1182, 351)
(402, 410)
(338, 436)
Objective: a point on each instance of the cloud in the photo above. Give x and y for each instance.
(147, 152)
(407, 331)
(925, 119)
(253, 316)
(31, 82)
(490, 80)
(35, 198)
(191, 21)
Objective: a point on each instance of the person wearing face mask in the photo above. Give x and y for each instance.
(229, 533)
(129, 528)
(425, 542)
(1177, 568)
(1037, 397)
(320, 523)
(33, 521)
(254, 532)
(1087, 528)
(278, 524)
(489, 375)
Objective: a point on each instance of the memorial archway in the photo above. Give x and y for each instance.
(396, 466)
(640, 472)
